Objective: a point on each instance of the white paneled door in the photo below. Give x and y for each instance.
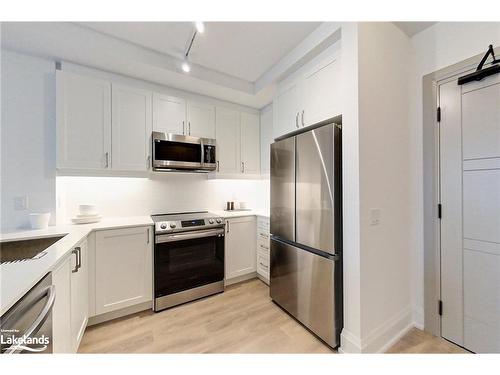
(470, 224)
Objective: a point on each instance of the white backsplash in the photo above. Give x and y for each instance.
(163, 192)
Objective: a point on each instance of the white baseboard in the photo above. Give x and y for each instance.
(240, 279)
(381, 338)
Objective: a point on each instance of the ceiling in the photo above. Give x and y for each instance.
(244, 50)
(412, 28)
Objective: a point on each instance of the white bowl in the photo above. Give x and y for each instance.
(39, 221)
(87, 209)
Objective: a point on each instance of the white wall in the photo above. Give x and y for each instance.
(385, 184)
(162, 193)
(442, 45)
(28, 137)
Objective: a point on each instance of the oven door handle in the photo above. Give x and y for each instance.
(189, 235)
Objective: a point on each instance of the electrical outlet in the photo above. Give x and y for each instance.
(21, 203)
(375, 216)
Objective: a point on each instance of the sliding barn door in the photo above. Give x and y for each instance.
(470, 224)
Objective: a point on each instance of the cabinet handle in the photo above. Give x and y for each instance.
(263, 265)
(302, 118)
(227, 226)
(218, 169)
(297, 120)
(148, 162)
(264, 247)
(242, 167)
(106, 160)
(75, 251)
(189, 127)
(148, 236)
(183, 128)
(79, 257)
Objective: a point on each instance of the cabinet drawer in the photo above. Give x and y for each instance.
(263, 265)
(263, 246)
(263, 223)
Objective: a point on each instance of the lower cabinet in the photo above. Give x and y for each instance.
(263, 245)
(123, 268)
(240, 246)
(70, 311)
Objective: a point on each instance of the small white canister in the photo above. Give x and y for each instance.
(39, 220)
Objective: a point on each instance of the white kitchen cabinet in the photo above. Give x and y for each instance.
(286, 108)
(70, 311)
(131, 129)
(266, 138)
(200, 120)
(228, 140)
(61, 312)
(240, 255)
(169, 114)
(83, 122)
(250, 143)
(123, 268)
(263, 249)
(312, 96)
(79, 293)
(321, 92)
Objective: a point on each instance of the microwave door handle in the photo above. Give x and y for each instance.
(50, 292)
(202, 152)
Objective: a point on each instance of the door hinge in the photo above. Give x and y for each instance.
(440, 307)
(438, 114)
(440, 211)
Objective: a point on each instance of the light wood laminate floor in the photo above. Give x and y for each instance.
(243, 319)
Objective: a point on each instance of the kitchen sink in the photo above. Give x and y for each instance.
(25, 250)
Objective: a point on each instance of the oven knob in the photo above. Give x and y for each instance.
(172, 225)
(219, 221)
(163, 226)
(210, 221)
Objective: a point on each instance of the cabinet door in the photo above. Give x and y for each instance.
(240, 246)
(201, 120)
(79, 293)
(266, 138)
(286, 111)
(123, 268)
(169, 114)
(131, 129)
(250, 143)
(228, 140)
(61, 312)
(83, 122)
(321, 93)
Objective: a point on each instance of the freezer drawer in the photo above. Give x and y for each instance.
(309, 287)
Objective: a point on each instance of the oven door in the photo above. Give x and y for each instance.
(171, 151)
(188, 260)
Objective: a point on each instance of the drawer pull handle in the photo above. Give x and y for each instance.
(263, 265)
(264, 247)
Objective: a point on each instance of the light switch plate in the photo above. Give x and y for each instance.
(375, 214)
(21, 203)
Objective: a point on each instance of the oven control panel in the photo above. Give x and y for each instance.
(189, 224)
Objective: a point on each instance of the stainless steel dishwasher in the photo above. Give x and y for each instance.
(27, 326)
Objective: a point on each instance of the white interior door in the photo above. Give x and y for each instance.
(470, 225)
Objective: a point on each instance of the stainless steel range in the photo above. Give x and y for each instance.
(188, 257)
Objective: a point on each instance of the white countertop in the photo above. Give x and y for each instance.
(18, 278)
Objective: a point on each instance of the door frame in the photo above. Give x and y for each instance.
(431, 185)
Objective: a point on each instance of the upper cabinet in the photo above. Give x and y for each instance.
(238, 142)
(169, 114)
(286, 110)
(250, 143)
(200, 120)
(313, 96)
(83, 122)
(266, 138)
(131, 129)
(228, 136)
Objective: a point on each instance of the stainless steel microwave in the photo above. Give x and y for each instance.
(175, 152)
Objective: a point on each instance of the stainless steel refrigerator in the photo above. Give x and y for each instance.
(306, 229)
